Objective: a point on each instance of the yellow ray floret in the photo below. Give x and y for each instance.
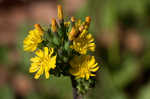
(83, 66)
(33, 39)
(43, 62)
(83, 43)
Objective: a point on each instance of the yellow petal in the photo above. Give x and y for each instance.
(35, 59)
(47, 75)
(39, 73)
(94, 65)
(33, 68)
(39, 53)
(91, 45)
(74, 72)
(87, 76)
(94, 69)
(46, 51)
(51, 50)
(92, 48)
(46, 72)
(89, 36)
(52, 62)
(92, 75)
(91, 61)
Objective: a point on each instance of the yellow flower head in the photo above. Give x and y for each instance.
(33, 39)
(60, 12)
(83, 66)
(54, 25)
(43, 62)
(83, 43)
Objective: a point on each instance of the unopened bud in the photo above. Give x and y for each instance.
(38, 27)
(81, 28)
(60, 12)
(88, 19)
(54, 25)
(72, 34)
(72, 19)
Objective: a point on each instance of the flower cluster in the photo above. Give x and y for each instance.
(61, 48)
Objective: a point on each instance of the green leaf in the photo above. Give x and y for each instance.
(66, 46)
(56, 40)
(144, 92)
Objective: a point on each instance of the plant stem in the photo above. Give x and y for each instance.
(74, 89)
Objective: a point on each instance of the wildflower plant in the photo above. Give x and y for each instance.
(62, 49)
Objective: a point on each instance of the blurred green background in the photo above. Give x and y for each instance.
(122, 32)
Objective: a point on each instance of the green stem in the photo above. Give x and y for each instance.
(74, 89)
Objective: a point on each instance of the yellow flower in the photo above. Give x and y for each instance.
(83, 43)
(83, 66)
(43, 62)
(33, 39)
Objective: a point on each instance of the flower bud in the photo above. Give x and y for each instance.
(38, 27)
(60, 12)
(53, 25)
(72, 19)
(72, 34)
(81, 28)
(88, 19)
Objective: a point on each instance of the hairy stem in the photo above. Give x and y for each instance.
(74, 90)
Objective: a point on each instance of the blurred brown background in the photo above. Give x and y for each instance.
(122, 32)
